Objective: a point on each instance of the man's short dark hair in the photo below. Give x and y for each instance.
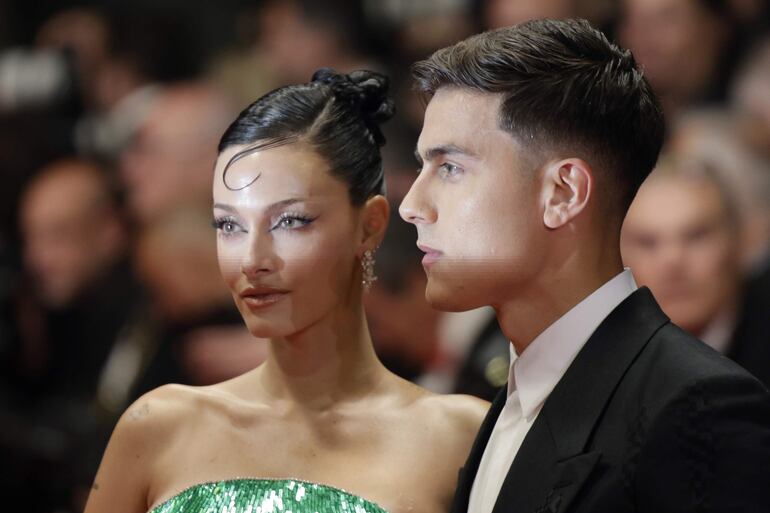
(565, 88)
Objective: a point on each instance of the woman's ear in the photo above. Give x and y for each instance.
(375, 215)
(567, 186)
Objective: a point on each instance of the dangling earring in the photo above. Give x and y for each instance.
(367, 264)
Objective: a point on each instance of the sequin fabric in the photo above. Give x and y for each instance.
(265, 496)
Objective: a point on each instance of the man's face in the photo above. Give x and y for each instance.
(475, 204)
(678, 241)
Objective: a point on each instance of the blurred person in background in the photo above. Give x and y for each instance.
(169, 160)
(80, 302)
(685, 47)
(75, 246)
(722, 139)
(681, 237)
(176, 259)
(750, 95)
(147, 47)
(97, 70)
(296, 37)
(84, 34)
(504, 13)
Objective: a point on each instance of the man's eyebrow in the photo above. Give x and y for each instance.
(441, 150)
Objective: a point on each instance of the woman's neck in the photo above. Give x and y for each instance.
(329, 362)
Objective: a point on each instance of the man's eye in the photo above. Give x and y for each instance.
(447, 170)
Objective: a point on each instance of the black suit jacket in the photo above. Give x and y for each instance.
(750, 343)
(647, 419)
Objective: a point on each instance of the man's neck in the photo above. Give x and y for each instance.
(528, 312)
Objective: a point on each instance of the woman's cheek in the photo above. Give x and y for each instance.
(229, 263)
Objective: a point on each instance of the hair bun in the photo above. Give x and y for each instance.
(364, 89)
(373, 89)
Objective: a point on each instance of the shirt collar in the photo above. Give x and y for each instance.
(535, 372)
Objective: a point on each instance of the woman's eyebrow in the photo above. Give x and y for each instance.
(284, 203)
(273, 206)
(227, 208)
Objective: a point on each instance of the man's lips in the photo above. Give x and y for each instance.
(260, 297)
(431, 255)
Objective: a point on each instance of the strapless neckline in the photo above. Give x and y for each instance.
(265, 495)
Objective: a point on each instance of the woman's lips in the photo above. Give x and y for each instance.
(262, 297)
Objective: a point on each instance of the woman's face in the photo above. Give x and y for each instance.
(288, 242)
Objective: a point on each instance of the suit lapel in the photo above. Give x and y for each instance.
(552, 465)
(468, 472)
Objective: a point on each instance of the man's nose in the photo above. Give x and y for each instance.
(417, 206)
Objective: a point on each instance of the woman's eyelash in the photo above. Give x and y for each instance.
(285, 219)
(222, 223)
(217, 222)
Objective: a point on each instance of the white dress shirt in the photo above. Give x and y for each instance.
(532, 377)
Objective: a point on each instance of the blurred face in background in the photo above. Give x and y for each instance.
(170, 159)
(679, 240)
(677, 42)
(71, 231)
(175, 257)
(504, 13)
(287, 243)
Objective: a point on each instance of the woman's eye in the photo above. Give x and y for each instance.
(291, 222)
(227, 226)
(447, 170)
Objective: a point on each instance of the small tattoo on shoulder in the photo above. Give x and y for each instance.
(139, 412)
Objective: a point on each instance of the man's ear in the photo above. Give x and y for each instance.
(567, 186)
(375, 214)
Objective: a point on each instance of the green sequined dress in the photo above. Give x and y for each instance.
(265, 496)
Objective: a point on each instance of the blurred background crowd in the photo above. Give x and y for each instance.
(110, 112)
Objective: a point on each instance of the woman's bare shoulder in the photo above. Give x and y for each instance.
(152, 418)
(140, 436)
(162, 407)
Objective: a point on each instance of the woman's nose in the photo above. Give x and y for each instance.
(260, 258)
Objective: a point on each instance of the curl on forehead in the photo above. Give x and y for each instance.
(250, 150)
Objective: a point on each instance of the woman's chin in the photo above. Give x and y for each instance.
(261, 328)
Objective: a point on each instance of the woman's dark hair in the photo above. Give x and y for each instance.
(338, 115)
(564, 86)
